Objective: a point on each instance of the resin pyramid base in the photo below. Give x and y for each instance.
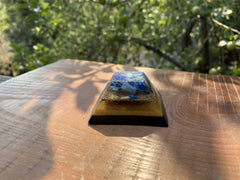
(145, 113)
(130, 99)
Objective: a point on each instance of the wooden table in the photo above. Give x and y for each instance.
(4, 78)
(44, 131)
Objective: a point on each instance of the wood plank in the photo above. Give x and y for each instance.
(4, 78)
(44, 132)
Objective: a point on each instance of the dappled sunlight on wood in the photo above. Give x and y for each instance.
(48, 118)
(29, 105)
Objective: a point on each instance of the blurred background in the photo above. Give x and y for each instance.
(193, 35)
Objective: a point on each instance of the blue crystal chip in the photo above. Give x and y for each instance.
(131, 82)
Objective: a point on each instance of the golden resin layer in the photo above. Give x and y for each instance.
(129, 108)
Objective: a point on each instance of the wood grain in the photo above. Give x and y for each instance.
(44, 131)
(4, 78)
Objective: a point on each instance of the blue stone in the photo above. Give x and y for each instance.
(131, 82)
(133, 97)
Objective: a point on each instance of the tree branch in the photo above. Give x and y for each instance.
(205, 43)
(225, 26)
(186, 37)
(159, 52)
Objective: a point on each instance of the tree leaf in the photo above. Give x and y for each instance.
(236, 72)
(222, 43)
(231, 38)
(237, 43)
(31, 17)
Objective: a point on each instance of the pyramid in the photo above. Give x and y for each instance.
(130, 99)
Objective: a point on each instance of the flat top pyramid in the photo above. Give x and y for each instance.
(129, 86)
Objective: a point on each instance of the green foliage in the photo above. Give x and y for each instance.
(44, 31)
(236, 72)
